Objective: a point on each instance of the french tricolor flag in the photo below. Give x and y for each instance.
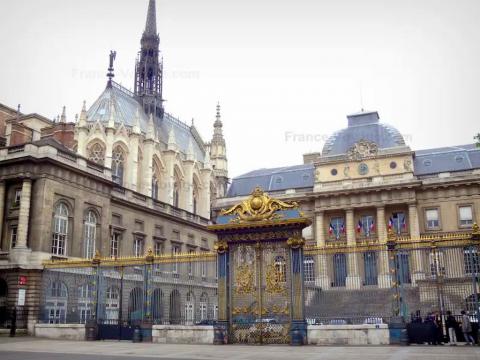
(372, 226)
(331, 229)
(404, 223)
(359, 226)
(390, 223)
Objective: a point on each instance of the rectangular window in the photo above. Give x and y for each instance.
(399, 222)
(466, 216)
(191, 269)
(437, 264)
(204, 268)
(114, 244)
(204, 243)
(176, 235)
(309, 268)
(13, 236)
(370, 264)
(368, 224)
(116, 219)
(191, 239)
(158, 248)
(158, 230)
(431, 216)
(403, 268)
(471, 261)
(175, 251)
(138, 246)
(337, 227)
(138, 225)
(18, 196)
(339, 270)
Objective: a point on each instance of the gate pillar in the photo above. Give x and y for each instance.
(260, 272)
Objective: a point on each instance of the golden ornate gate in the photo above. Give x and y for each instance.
(260, 298)
(260, 258)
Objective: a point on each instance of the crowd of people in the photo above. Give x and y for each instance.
(431, 329)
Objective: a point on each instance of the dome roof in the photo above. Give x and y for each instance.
(363, 126)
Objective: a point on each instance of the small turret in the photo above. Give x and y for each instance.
(218, 155)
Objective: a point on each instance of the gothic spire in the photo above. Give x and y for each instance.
(149, 68)
(151, 24)
(217, 127)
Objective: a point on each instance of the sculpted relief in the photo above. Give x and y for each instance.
(363, 149)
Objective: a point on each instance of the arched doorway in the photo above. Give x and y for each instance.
(157, 306)
(135, 306)
(175, 314)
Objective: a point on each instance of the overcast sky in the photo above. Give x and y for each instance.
(278, 67)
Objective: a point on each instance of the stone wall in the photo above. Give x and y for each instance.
(182, 334)
(348, 334)
(61, 331)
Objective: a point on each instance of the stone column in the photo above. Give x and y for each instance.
(2, 207)
(20, 253)
(133, 164)
(417, 264)
(147, 169)
(384, 277)
(188, 187)
(322, 280)
(319, 229)
(109, 148)
(24, 215)
(204, 198)
(353, 276)
(168, 181)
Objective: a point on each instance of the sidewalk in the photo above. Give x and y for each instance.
(234, 352)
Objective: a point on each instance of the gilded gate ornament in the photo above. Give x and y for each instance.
(259, 206)
(220, 246)
(244, 280)
(274, 284)
(296, 242)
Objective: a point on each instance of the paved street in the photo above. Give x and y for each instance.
(24, 348)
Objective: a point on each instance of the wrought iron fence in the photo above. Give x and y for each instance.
(179, 289)
(366, 284)
(371, 283)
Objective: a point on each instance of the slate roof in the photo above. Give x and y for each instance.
(426, 162)
(277, 179)
(362, 126)
(125, 108)
(446, 159)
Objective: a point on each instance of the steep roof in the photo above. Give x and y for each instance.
(125, 109)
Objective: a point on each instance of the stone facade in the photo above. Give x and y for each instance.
(366, 182)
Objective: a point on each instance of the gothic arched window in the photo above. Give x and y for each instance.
(118, 165)
(90, 232)
(60, 229)
(96, 154)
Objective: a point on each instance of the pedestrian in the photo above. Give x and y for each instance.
(467, 328)
(452, 327)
